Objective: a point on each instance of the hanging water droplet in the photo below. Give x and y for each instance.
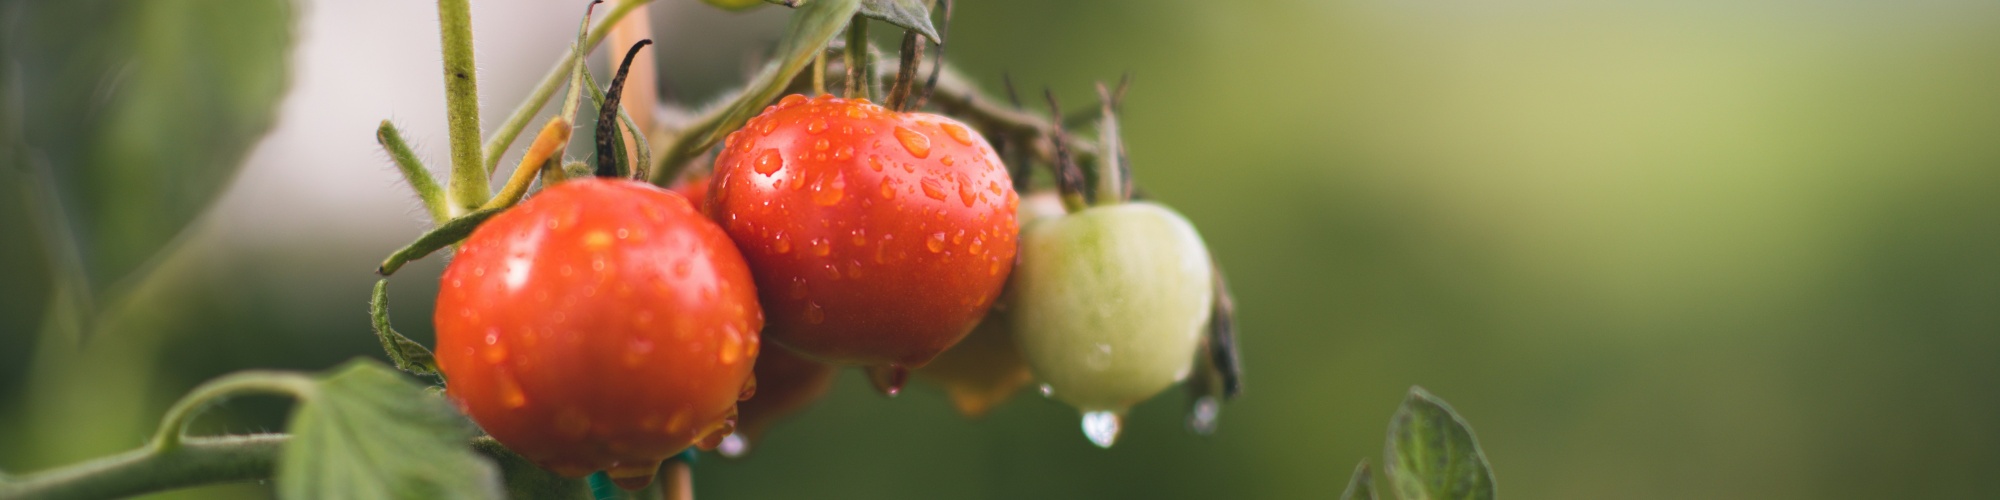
(733, 446)
(1047, 391)
(1101, 427)
(1202, 415)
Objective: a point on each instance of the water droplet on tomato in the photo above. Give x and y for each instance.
(798, 287)
(936, 243)
(814, 314)
(888, 189)
(947, 160)
(978, 246)
(933, 189)
(875, 163)
(820, 247)
(769, 161)
(510, 392)
(1102, 427)
(889, 379)
(915, 142)
(830, 189)
(844, 153)
(781, 244)
(957, 133)
(822, 144)
(860, 237)
(816, 126)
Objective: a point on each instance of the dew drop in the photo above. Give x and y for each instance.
(978, 246)
(820, 246)
(957, 133)
(814, 313)
(933, 189)
(829, 190)
(818, 125)
(889, 379)
(844, 153)
(936, 243)
(769, 161)
(875, 163)
(915, 142)
(822, 144)
(791, 100)
(781, 244)
(888, 189)
(798, 287)
(1101, 427)
(947, 160)
(510, 392)
(1047, 391)
(1203, 414)
(733, 446)
(860, 237)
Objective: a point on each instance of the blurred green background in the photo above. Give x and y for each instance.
(1650, 249)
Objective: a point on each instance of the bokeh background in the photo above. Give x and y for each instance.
(1651, 249)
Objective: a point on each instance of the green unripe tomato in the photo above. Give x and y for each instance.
(1109, 306)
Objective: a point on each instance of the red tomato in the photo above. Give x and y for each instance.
(877, 238)
(599, 325)
(787, 383)
(695, 188)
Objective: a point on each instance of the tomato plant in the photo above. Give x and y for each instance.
(601, 324)
(877, 237)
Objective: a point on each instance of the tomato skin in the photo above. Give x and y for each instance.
(877, 238)
(1109, 303)
(600, 324)
(986, 368)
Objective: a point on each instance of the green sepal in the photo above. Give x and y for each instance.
(408, 355)
(449, 233)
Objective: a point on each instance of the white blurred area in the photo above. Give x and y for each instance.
(320, 184)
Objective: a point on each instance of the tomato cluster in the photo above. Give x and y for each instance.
(607, 324)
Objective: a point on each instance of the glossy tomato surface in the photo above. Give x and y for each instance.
(877, 238)
(600, 324)
(986, 368)
(1109, 303)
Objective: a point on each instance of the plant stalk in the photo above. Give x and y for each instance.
(468, 186)
(504, 136)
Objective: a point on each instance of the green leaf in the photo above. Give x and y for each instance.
(1432, 454)
(445, 234)
(806, 34)
(408, 355)
(1362, 486)
(909, 14)
(133, 116)
(367, 432)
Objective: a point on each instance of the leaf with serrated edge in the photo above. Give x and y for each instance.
(1432, 454)
(1361, 486)
(135, 114)
(367, 432)
(408, 355)
(909, 14)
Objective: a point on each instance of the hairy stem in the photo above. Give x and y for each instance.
(468, 187)
(414, 172)
(194, 462)
(518, 120)
(860, 62)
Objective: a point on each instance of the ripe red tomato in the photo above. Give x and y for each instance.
(695, 188)
(787, 383)
(599, 325)
(877, 238)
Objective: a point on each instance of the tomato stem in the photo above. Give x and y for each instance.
(906, 72)
(413, 170)
(609, 154)
(504, 136)
(467, 188)
(1112, 173)
(860, 60)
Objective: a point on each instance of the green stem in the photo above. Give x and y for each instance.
(860, 62)
(413, 171)
(468, 186)
(196, 461)
(172, 459)
(511, 129)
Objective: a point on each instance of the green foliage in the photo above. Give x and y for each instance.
(408, 355)
(909, 14)
(367, 432)
(738, 5)
(1362, 486)
(1432, 454)
(445, 234)
(132, 116)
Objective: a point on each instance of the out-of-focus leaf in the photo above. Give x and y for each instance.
(909, 14)
(1361, 486)
(136, 114)
(1432, 454)
(367, 432)
(525, 480)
